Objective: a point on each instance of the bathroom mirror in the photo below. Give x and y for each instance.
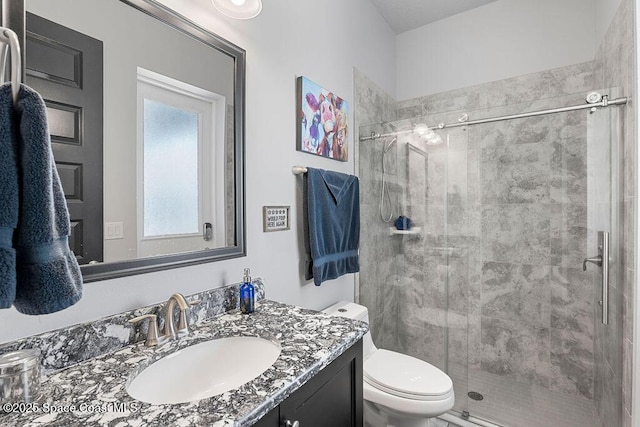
(146, 114)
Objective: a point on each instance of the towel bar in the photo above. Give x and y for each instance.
(298, 170)
(10, 38)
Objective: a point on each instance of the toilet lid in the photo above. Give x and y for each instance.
(405, 376)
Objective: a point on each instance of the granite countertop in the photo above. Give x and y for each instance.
(309, 341)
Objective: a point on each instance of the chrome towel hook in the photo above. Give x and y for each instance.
(8, 37)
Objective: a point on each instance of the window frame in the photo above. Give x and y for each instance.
(210, 108)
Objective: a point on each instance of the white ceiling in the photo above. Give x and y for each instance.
(405, 15)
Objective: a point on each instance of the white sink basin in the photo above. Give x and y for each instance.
(204, 370)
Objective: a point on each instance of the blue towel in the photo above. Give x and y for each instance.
(333, 222)
(48, 277)
(9, 198)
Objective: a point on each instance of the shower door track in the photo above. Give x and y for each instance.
(605, 102)
(456, 418)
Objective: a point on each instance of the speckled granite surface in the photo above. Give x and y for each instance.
(67, 346)
(309, 341)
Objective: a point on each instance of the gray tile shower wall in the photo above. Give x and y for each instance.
(67, 346)
(229, 176)
(372, 104)
(536, 86)
(379, 252)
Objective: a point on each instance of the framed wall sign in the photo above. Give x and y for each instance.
(275, 218)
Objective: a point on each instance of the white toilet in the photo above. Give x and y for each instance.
(399, 390)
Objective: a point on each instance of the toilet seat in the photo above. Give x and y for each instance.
(407, 377)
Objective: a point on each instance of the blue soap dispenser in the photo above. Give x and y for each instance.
(247, 294)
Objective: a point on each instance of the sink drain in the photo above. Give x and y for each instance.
(475, 395)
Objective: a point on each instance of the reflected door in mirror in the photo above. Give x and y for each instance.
(65, 67)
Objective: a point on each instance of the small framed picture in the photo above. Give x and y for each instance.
(275, 218)
(322, 118)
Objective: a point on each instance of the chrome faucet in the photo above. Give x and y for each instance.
(169, 331)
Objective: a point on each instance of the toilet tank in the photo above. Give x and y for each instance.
(351, 310)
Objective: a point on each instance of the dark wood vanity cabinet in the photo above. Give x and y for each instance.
(331, 398)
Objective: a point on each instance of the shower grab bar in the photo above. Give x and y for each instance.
(602, 260)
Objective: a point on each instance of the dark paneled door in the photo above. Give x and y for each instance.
(65, 67)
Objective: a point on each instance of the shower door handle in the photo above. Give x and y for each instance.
(602, 260)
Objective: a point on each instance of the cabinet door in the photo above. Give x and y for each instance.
(272, 419)
(332, 398)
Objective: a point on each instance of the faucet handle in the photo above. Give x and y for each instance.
(152, 333)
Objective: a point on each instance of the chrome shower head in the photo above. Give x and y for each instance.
(388, 147)
(391, 125)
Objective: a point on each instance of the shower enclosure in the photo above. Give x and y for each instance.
(489, 284)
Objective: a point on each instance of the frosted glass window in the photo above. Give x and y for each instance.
(170, 170)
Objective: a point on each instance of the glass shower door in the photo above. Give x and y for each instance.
(538, 355)
(439, 185)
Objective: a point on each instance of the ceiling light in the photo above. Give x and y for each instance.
(239, 9)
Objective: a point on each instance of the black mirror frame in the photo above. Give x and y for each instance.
(14, 18)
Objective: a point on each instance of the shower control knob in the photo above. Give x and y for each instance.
(288, 423)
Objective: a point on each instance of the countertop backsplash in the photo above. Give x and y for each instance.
(68, 346)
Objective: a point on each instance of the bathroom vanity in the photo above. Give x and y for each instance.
(333, 397)
(316, 379)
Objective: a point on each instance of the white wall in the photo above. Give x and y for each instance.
(321, 40)
(503, 39)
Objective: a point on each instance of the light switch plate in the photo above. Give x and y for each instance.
(113, 230)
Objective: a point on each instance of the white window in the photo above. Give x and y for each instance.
(178, 165)
(172, 147)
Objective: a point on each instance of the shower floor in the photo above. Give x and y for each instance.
(514, 404)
